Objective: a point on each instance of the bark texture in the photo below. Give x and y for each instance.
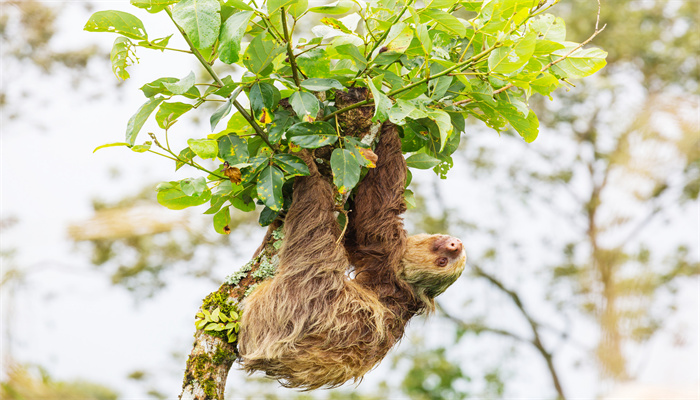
(212, 355)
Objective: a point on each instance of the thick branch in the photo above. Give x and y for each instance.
(212, 355)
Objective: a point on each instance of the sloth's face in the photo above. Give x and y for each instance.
(432, 263)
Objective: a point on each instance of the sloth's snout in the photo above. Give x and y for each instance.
(449, 246)
(453, 245)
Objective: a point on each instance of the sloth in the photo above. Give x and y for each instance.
(315, 325)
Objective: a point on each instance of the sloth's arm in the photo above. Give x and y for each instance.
(376, 236)
(311, 229)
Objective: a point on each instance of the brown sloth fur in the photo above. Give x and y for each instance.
(312, 325)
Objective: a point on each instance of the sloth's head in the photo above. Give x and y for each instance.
(431, 264)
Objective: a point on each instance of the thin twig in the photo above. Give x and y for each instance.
(536, 340)
(546, 67)
(220, 83)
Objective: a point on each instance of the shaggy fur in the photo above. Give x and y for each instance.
(311, 326)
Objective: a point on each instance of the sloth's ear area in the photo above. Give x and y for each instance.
(431, 264)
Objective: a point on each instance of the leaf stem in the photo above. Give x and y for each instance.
(152, 47)
(177, 158)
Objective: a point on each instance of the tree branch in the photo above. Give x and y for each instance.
(290, 52)
(534, 326)
(212, 355)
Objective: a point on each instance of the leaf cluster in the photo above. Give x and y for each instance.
(219, 322)
(425, 67)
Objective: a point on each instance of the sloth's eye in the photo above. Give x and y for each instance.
(441, 262)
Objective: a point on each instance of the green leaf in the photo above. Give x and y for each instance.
(231, 35)
(346, 170)
(152, 6)
(243, 201)
(263, 96)
(506, 60)
(320, 85)
(260, 53)
(193, 187)
(409, 198)
(335, 8)
(118, 144)
(137, 120)
(312, 135)
(444, 123)
(382, 104)
(233, 149)
(215, 314)
(440, 3)
(120, 58)
(424, 38)
(291, 165)
(221, 221)
(182, 85)
(204, 148)
(351, 51)
(169, 112)
(269, 187)
(305, 105)
(297, 8)
(274, 5)
(546, 47)
(267, 216)
(360, 152)
(240, 4)
(545, 84)
(228, 87)
(200, 20)
(527, 125)
(186, 155)
(399, 38)
(157, 44)
(117, 22)
(282, 121)
(336, 24)
(445, 21)
(549, 27)
(315, 63)
(222, 111)
(175, 199)
(421, 161)
(472, 5)
(141, 148)
(580, 64)
(158, 87)
(200, 324)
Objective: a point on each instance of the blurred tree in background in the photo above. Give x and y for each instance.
(615, 170)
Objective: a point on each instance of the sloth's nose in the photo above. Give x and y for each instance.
(454, 245)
